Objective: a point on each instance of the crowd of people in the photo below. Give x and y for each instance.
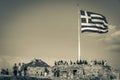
(95, 69)
(17, 70)
(20, 69)
(4, 71)
(81, 62)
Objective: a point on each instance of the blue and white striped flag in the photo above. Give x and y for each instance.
(93, 22)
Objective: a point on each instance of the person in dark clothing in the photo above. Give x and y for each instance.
(95, 62)
(46, 70)
(58, 73)
(25, 69)
(7, 71)
(15, 69)
(81, 62)
(102, 63)
(3, 71)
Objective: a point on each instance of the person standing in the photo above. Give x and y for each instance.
(7, 71)
(24, 69)
(15, 69)
(19, 69)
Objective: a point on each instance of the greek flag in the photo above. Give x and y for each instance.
(93, 22)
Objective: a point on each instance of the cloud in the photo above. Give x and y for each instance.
(113, 39)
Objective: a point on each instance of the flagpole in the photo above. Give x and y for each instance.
(79, 54)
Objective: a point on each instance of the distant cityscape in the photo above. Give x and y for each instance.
(63, 70)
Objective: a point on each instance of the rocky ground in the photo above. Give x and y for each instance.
(20, 78)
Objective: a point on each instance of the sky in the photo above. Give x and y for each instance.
(47, 29)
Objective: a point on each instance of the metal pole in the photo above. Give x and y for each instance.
(79, 55)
